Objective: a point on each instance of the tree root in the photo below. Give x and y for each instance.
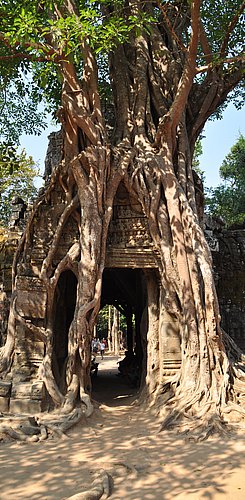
(86, 401)
(101, 486)
(234, 353)
(103, 483)
(33, 429)
(198, 415)
(195, 428)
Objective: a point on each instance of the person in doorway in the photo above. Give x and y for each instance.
(102, 349)
(95, 346)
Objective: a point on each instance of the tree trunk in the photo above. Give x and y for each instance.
(109, 338)
(114, 332)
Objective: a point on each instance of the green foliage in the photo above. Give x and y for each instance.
(18, 115)
(196, 162)
(103, 319)
(102, 322)
(34, 39)
(228, 199)
(17, 174)
(33, 42)
(216, 18)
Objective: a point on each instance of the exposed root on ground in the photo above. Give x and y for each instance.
(101, 486)
(38, 428)
(103, 482)
(198, 416)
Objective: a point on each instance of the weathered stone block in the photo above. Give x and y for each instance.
(31, 297)
(5, 388)
(25, 406)
(33, 349)
(34, 390)
(38, 390)
(21, 390)
(4, 404)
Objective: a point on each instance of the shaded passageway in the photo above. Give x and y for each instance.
(63, 313)
(108, 386)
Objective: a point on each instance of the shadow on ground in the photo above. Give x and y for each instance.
(122, 437)
(108, 386)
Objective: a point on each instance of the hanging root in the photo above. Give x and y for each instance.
(234, 353)
(61, 423)
(71, 395)
(199, 422)
(195, 426)
(209, 426)
(5, 361)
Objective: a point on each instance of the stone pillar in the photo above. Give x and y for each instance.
(153, 331)
(169, 343)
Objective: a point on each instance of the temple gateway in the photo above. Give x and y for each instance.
(130, 282)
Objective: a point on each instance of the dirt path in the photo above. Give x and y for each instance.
(122, 438)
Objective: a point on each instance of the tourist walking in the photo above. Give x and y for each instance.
(102, 349)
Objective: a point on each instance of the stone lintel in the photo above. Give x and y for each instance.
(131, 258)
(31, 297)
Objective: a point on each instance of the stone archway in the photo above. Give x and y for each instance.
(64, 307)
(129, 289)
(126, 289)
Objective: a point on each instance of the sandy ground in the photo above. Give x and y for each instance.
(120, 437)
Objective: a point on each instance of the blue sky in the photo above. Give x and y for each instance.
(220, 136)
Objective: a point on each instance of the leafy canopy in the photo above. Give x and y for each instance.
(36, 35)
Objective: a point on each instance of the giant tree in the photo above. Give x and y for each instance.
(136, 81)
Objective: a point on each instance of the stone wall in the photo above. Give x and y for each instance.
(228, 252)
(54, 153)
(229, 269)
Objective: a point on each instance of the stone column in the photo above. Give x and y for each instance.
(169, 342)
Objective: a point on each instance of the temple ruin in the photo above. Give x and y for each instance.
(130, 282)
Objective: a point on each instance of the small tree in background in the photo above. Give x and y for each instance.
(17, 175)
(228, 199)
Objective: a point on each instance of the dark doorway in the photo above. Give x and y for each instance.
(126, 289)
(64, 305)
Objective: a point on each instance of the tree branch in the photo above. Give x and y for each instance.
(170, 26)
(23, 55)
(172, 119)
(189, 71)
(33, 45)
(205, 45)
(210, 96)
(223, 49)
(228, 60)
